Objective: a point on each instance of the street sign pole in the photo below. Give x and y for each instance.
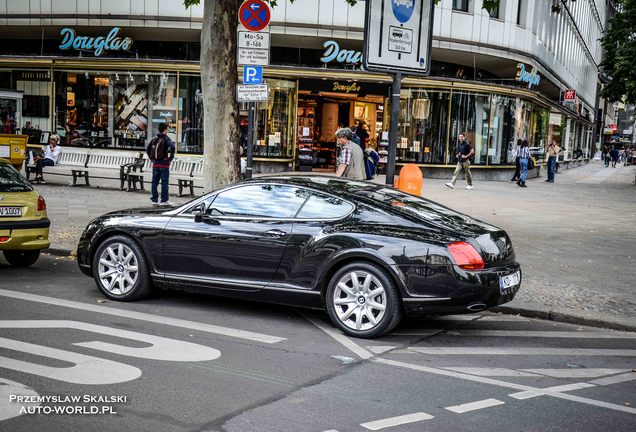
(396, 88)
(250, 139)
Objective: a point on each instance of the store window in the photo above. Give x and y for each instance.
(460, 5)
(423, 126)
(190, 127)
(114, 109)
(539, 136)
(275, 120)
(470, 115)
(502, 134)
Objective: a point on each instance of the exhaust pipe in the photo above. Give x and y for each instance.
(476, 307)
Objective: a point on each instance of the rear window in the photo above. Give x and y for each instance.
(11, 180)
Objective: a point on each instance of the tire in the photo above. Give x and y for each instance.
(367, 308)
(22, 258)
(120, 269)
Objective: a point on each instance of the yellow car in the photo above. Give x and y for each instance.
(24, 224)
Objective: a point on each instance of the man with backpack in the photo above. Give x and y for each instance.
(161, 152)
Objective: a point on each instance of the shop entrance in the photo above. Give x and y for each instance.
(326, 106)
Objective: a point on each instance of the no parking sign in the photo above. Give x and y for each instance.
(254, 15)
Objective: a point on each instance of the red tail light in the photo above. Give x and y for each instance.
(466, 256)
(41, 204)
(4, 239)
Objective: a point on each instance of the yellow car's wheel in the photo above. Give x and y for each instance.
(21, 258)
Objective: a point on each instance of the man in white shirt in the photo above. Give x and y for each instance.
(47, 158)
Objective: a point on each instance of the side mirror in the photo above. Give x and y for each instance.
(198, 211)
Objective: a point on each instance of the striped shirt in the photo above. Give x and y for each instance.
(524, 152)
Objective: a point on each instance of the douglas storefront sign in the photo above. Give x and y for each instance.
(333, 53)
(99, 44)
(531, 78)
(353, 88)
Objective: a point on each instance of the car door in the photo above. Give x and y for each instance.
(238, 243)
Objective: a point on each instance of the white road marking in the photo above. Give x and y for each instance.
(550, 390)
(499, 372)
(11, 388)
(380, 349)
(396, 421)
(339, 337)
(483, 380)
(505, 384)
(502, 318)
(160, 348)
(518, 351)
(615, 379)
(473, 406)
(575, 373)
(544, 334)
(141, 316)
(86, 369)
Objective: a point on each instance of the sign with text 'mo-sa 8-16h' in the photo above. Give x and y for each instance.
(398, 35)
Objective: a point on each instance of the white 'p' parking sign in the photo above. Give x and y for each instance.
(398, 35)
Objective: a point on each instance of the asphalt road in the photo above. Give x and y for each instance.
(184, 362)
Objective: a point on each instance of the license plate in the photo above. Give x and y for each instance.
(508, 282)
(11, 211)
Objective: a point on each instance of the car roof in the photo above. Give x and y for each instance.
(329, 184)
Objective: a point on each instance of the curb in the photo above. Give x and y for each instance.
(59, 252)
(567, 317)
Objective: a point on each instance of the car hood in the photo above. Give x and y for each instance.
(139, 211)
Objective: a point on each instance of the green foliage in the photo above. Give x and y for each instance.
(619, 44)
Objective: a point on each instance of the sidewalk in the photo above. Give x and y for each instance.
(575, 238)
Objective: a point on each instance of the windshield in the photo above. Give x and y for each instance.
(11, 180)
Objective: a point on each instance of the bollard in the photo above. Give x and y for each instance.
(410, 179)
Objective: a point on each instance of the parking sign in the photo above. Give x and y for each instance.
(252, 75)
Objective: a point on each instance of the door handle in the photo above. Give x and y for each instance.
(275, 233)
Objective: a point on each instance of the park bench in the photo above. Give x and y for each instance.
(86, 163)
(186, 170)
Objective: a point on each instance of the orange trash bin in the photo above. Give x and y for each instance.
(410, 179)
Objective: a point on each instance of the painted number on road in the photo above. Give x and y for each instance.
(93, 370)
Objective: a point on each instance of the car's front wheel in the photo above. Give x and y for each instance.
(363, 301)
(22, 258)
(121, 270)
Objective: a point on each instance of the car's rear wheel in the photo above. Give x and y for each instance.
(21, 258)
(120, 269)
(363, 301)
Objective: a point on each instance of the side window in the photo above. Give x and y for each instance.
(320, 206)
(268, 201)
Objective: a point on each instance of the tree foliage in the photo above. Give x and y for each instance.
(619, 45)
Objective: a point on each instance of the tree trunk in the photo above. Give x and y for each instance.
(218, 83)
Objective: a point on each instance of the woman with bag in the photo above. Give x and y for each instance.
(524, 157)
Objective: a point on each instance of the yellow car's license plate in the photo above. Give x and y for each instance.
(11, 211)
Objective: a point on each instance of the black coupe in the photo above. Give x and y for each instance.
(366, 252)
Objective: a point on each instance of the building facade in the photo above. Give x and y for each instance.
(105, 74)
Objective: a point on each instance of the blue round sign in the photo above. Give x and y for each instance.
(403, 9)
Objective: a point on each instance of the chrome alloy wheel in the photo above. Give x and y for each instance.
(359, 300)
(118, 269)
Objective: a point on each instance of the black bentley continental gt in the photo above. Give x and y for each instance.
(367, 253)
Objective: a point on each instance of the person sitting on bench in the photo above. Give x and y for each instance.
(48, 157)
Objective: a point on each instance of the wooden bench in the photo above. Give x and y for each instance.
(186, 171)
(86, 163)
(68, 160)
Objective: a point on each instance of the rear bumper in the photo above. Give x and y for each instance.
(25, 239)
(458, 291)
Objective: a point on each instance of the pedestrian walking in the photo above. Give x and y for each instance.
(606, 155)
(48, 157)
(552, 151)
(161, 152)
(463, 152)
(371, 161)
(614, 154)
(524, 157)
(515, 155)
(351, 158)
